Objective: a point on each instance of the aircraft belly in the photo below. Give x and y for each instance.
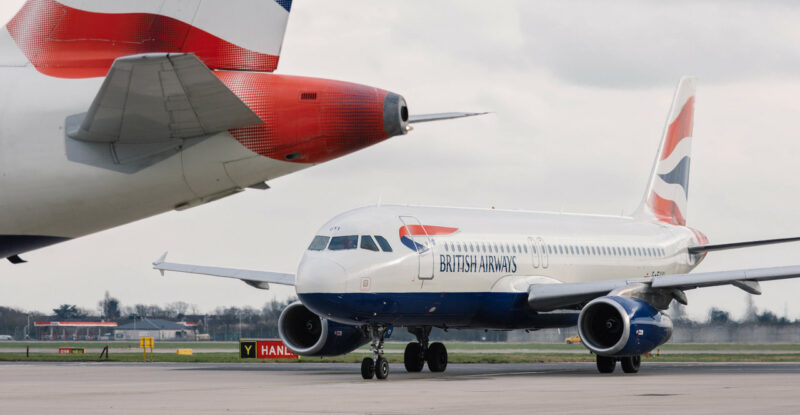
(451, 309)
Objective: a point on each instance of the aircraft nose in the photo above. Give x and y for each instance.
(320, 275)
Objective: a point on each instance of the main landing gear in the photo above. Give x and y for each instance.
(416, 354)
(630, 364)
(414, 357)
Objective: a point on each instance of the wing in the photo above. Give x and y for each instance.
(547, 297)
(156, 98)
(443, 116)
(257, 279)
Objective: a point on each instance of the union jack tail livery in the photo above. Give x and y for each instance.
(668, 189)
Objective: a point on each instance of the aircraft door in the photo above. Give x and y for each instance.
(418, 239)
(543, 250)
(535, 255)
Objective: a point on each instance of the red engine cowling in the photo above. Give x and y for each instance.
(310, 120)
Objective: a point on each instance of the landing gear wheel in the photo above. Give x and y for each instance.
(437, 357)
(414, 357)
(367, 368)
(606, 364)
(631, 364)
(381, 368)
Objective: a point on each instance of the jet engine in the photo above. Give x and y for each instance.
(307, 334)
(621, 326)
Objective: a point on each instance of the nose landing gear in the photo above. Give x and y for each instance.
(377, 365)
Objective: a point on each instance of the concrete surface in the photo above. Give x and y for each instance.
(564, 388)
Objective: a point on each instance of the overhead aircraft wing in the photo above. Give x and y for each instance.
(720, 247)
(257, 279)
(154, 98)
(547, 297)
(443, 116)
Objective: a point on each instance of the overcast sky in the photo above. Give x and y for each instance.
(579, 90)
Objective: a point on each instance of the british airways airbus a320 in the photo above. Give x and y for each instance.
(422, 267)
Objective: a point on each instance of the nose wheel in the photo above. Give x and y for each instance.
(376, 366)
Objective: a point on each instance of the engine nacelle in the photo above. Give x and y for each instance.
(621, 326)
(307, 334)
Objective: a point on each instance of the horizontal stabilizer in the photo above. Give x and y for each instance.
(257, 279)
(160, 97)
(443, 116)
(735, 245)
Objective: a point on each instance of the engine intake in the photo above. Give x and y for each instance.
(307, 334)
(622, 326)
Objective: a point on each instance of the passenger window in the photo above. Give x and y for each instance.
(525, 247)
(319, 243)
(368, 243)
(471, 248)
(340, 243)
(384, 243)
(550, 249)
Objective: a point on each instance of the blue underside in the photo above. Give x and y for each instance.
(456, 310)
(11, 245)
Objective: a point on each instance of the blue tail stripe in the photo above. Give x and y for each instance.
(679, 175)
(286, 4)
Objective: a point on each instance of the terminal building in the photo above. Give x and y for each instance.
(156, 328)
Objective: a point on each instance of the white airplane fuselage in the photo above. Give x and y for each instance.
(453, 267)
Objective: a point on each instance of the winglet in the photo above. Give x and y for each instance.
(160, 261)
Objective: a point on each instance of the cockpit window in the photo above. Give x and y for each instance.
(319, 243)
(339, 243)
(383, 243)
(368, 244)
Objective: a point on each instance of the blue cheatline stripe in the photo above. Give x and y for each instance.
(11, 245)
(679, 175)
(442, 309)
(286, 4)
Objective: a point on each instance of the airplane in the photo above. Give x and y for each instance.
(117, 110)
(373, 269)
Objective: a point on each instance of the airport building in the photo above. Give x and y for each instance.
(156, 328)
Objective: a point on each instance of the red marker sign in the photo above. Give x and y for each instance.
(273, 350)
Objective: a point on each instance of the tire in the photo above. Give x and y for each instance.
(413, 357)
(569, 341)
(631, 364)
(367, 368)
(437, 357)
(382, 368)
(606, 364)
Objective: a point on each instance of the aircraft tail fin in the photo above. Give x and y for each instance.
(668, 188)
(82, 38)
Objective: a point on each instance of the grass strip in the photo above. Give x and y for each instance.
(398, 358)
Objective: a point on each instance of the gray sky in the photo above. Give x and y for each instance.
(580, 91)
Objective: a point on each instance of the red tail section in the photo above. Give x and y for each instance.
(68, 42)
(667, 193)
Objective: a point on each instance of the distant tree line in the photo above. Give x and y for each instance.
(231, 323)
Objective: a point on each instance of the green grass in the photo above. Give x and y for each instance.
(398, 358)
(234, 346)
